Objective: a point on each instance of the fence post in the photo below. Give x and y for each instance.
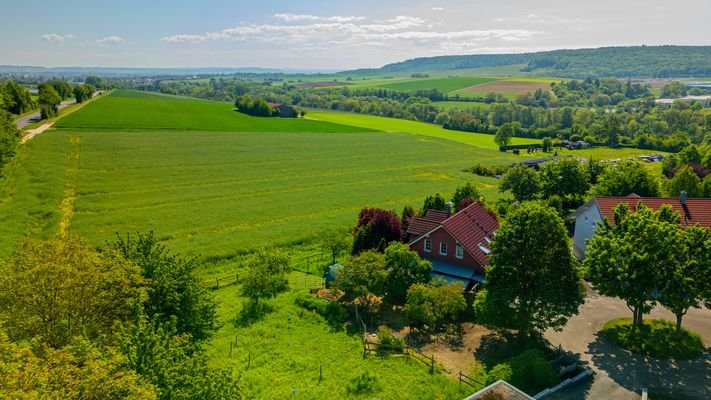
(432, 367)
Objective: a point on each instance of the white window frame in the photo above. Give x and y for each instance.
(459, 251)
(428, 245)
(441, 246)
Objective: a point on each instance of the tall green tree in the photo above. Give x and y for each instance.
(61, 288)
(266, 274)
(405, 268)
(532, 283)
(429, 304)
(566, 178)
(334, 242)
(627, 260)
(174, 290)
(506, 133)
(9, 138)
(436, 202)
(365, 273)
(523, 182)
(626, 178)
(684, 180)
(686, 280)
(18, 99)
(48, 100)
(466, 191)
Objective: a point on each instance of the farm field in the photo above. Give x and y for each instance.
(481, 140)
(218, 195)
(445, 85)
(508, 87)
(460, 105)
(130, 110)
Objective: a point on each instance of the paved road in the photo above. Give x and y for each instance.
(621, 375)
(35, 117)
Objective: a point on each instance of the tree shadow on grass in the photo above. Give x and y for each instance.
(499, 347)
(252, 313)
(683, 379)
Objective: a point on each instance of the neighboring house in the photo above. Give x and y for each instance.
(500, 390)
(458, 246)
(285, 111)
(589, 215)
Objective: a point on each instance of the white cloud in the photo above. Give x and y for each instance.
(58, 39)
(308, 17)
(437, 8)
(110, 40)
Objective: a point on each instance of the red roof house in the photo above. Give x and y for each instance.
(589, 215)
(457, 245)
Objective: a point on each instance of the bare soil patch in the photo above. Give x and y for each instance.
(455, 354)
(517, 87)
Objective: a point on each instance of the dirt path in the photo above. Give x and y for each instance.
(34, 132)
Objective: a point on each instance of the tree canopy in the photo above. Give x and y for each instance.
(523, 182)
(532, 282)
(626, 178)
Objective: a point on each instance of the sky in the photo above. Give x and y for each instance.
(328, 35)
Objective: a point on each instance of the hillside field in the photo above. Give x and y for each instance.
(218, 194)
(480, 140)
(127, 110)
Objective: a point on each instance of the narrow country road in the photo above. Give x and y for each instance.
(35, 117)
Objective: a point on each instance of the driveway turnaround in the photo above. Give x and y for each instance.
(621, 375)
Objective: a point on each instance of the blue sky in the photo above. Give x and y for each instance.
(328, 34)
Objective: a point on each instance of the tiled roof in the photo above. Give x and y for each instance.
(696, 211)
(421, 225)
(503, 389)
(472, 227)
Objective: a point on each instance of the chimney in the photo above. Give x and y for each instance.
(682, 198)
(449, 208)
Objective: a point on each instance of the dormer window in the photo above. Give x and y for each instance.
(483, 248)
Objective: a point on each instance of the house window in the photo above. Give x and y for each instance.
(459, 251)
(428, 245)
(443, 248)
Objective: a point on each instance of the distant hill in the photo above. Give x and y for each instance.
(623, 62)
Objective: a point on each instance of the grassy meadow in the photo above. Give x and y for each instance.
(281, 355)
(218, 195)
(480, 140)
(445, 85)
(129, 110)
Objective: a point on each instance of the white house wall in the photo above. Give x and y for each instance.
(586, 220)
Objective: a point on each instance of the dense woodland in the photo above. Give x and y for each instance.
(632, 61)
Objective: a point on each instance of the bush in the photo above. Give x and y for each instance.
(656, 338)
(388, 341)
(529, 371)
(363, 384)
(331, 311)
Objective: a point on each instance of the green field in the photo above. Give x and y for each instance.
(445, 85)
(219, 195)
(481, 140)
(281, 356)
(125, 110)
(460, 105)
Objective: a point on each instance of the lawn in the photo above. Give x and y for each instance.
(655, 338)
(444, 85)
(481, 140)
(130, 110)
(281, 355)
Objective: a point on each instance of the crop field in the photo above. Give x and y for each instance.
(445, 85)
(219, 195)
(128, 110)
(481, 140)
(507, 87)
(281, 356)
